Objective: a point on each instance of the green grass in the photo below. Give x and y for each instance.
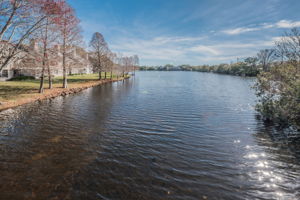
(11, 90)
(82, 78)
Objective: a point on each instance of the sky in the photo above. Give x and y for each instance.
(191, 32)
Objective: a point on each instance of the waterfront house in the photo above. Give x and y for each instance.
(28, 62)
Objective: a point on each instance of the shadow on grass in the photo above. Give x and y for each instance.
(59, 81)
(10, 92)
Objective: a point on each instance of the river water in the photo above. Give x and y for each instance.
(159, 135)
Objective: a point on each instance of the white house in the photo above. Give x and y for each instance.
(28, 62)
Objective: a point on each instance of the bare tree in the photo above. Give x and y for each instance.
(47, 35)
(281, 49)
(265, 57)
(288, 48)
(119, 67)
(136, 61)
(127, 64)
(70, 34)
(19, 19)
(124, 64)
(107, 64)
(99, 52)
(114, 60)
(8, 11)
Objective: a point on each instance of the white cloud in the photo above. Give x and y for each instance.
(240, 30)
(162, 48)
(204, 50)
(279, 24)
(164, 40)
(287, 24)
(267, 26)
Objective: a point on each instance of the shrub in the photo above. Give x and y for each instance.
(279, 94)
(22, 78)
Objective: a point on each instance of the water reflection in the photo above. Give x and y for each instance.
(158, 136)
(44, 145)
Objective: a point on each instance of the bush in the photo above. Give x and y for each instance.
(279, 95)
(22, 78)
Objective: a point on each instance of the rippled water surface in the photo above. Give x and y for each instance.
(160, 135)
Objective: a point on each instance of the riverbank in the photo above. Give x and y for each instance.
(17, 93)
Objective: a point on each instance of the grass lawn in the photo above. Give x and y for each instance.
(14, 90)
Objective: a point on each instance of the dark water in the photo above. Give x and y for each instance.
(161, 135)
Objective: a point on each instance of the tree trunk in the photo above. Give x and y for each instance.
(100, 75)
(105, 75)
(111, 75)
(65, 81)
(70, 70)
(41, 89)
(49, 77)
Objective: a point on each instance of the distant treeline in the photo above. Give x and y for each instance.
(247, 67)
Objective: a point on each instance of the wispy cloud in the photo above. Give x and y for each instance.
(279, 24)
(164, 40)
(191, 50)
(287, 24)
(207, 50)
(240, 30)
(203, 49)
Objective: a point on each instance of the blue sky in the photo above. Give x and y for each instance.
(188, 31)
